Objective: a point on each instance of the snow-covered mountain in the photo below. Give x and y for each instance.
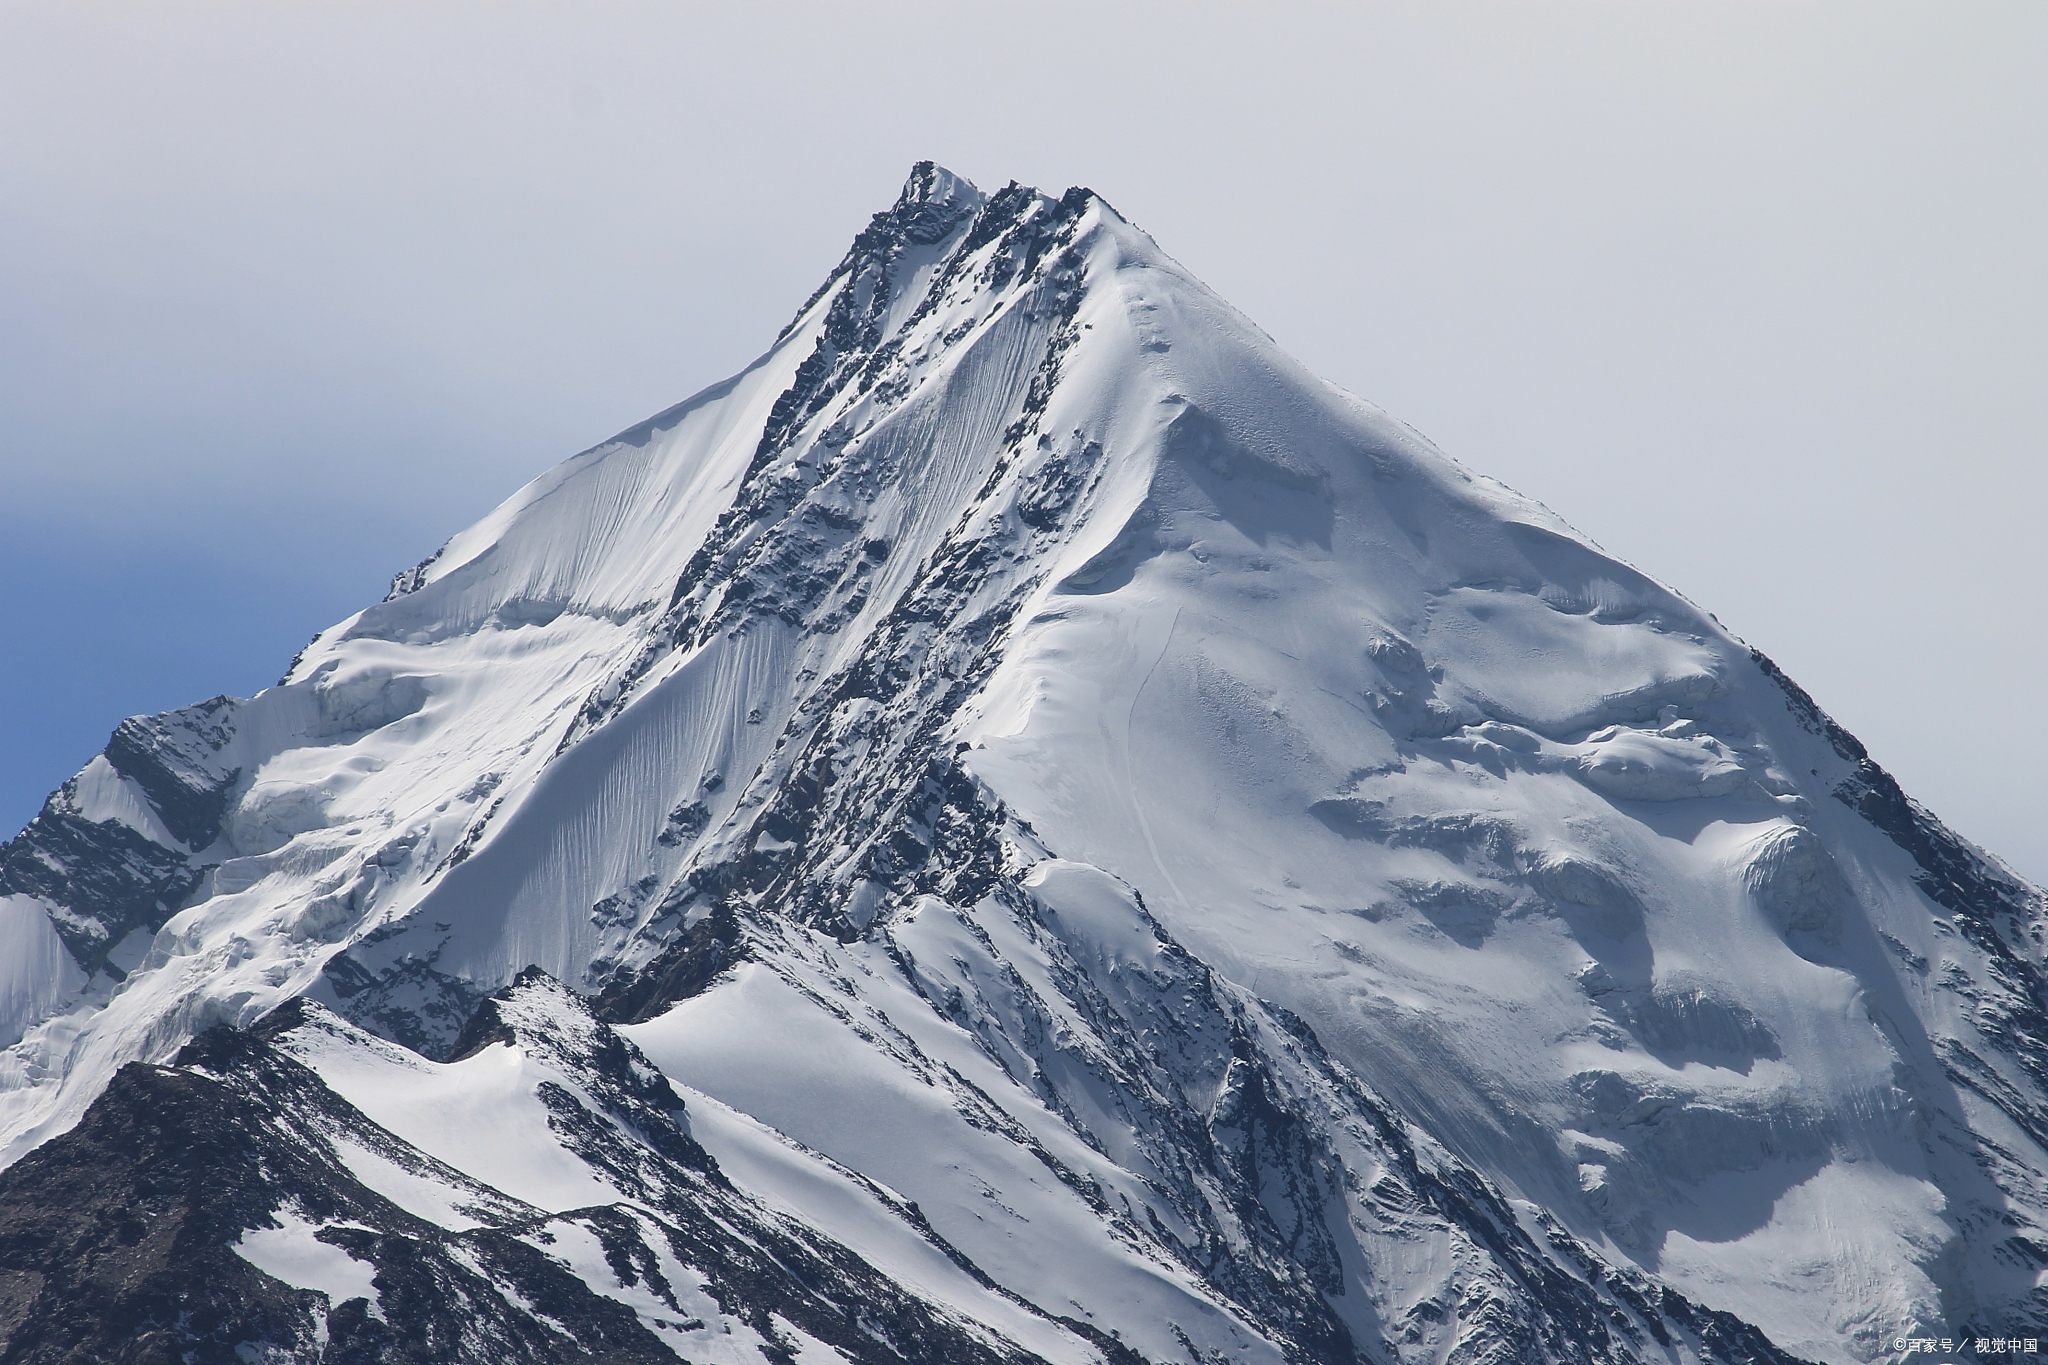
(1022, 826)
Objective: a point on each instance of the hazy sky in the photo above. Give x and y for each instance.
(1753, 294)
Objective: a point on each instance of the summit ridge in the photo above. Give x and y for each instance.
(1021, 826)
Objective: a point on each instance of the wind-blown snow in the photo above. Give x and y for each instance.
(1119, 755)
(36, 973)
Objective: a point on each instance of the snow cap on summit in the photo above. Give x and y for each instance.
(1025, 723)
(932, 204)
(931, 183)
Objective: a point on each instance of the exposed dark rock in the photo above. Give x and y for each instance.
(117, 1239)
(103, 880)
(692, 960)
(174, 759)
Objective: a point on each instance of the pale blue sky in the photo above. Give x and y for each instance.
(1750, 293)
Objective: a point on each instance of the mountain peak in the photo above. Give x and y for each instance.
(930, 183)
(934, 201)
(1029, 745)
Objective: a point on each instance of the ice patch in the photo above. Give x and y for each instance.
(365, 699)
(1795, 880)
(1567, 877)
(99, 794)
(1641, 765)
(272, 813)
(440, 1108)
(292, 1253)
(36, 973)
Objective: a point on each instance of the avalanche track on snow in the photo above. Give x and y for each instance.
(1022, 826)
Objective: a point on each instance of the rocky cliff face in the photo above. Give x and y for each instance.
(1021, 826)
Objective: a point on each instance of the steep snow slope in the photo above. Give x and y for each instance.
(232, 1206)
(1053, 782)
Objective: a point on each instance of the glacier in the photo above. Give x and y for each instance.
(1021, 826)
